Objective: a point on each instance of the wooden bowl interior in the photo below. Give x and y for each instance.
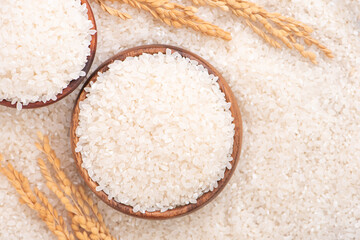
(205, 198)
(74, 83)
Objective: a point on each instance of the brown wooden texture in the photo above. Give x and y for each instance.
(74, 83)
(205, 198)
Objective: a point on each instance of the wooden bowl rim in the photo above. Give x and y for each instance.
(206, 197)
(73, 84)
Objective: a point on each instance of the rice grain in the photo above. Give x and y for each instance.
(155, 131)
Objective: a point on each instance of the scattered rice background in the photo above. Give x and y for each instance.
(299, 172)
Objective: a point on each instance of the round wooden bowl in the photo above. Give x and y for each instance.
(74, 83)
(202, 200)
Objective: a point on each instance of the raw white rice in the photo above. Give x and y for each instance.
(43, 46)
(299, 173)
(155, 131)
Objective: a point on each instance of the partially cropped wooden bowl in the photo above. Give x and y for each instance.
(202, 200)
(74, 83)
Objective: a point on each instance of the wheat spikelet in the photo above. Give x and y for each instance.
(219, 4)
(76, 202)
(44, 209)
(265, 36)
(93, 207)
(274, 26)
(64, 183)
(20, 183)
(54, 222)
(282, 28)
(112, 11)
(53, 186)
(91, 226)
(176, 15)
(82, 235)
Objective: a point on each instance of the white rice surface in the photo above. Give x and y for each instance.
(43, 46)
(155, 131)
(299, 172)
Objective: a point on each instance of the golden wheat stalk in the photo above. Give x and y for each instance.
(272, 27)
(53, 186)
(112, 11)
(65, 189)
(54, 221)
(44, 209)
(177, 15)
(172, 14)
(212, 3)
(79, 206)
(76, 202)
(94, 208)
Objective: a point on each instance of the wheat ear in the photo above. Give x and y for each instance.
(112, 11)
(44, 209)
(272, 27)
(75, 200)
(173, 14)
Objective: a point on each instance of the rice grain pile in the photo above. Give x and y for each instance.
(299, 172)
(43, 46)
(155, 131)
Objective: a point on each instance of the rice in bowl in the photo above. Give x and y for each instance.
(43, 46)
(155, 132)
